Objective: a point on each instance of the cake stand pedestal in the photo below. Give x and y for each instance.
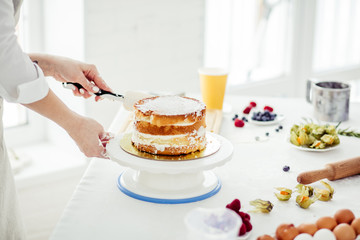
(169, 182)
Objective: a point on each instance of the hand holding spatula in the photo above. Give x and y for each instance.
(128, 99)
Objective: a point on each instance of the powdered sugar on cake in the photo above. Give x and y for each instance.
(171, 105)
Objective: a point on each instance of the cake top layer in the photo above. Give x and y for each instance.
(170, 105)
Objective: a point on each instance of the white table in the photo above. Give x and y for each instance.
(99, 210)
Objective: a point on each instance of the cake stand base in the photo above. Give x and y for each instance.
(168, 188)
(174, 181)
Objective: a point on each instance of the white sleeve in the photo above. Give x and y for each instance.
(21, 80)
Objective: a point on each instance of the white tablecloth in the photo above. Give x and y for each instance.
(99, 210)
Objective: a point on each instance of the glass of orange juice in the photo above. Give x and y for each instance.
(213, 84)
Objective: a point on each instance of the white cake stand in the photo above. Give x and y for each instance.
(169, 182)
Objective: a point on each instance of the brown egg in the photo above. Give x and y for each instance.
(344, 216)
(355, 224)
(265, 237)
(344, 231)
(326, 222)
(286, 232)
(309, 228)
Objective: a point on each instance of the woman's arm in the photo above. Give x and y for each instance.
(20, 80)
(68, 70)
(86, 132)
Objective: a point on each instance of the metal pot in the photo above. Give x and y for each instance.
(330, 99)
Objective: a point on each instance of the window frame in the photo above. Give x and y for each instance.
(33, 131)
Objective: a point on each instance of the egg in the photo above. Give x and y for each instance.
(286, 232)
(309, 228)
(355, 224)
(265, 237)
(326, 222)
(344, 216)
(344, 231)
(324, 234)
(303, 236)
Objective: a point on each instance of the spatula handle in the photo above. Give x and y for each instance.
(101, 92)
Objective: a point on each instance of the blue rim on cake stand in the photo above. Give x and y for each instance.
(166, 200)
(170, 182)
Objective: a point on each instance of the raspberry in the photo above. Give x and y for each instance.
(253, 104)
(247, 225)
(268, 108)
(244, 216)
(242, 230)
(239, 123)
(247, 110)
(235, 205)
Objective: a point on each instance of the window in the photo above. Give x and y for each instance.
(337, 35)
(22, 126)
(15, 114)
(277, 44)
(250, 38)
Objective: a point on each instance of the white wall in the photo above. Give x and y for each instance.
(149, 45)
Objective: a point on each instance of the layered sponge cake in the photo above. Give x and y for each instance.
(169, 125)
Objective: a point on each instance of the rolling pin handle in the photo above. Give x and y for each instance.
(332, 171)
(313, 176)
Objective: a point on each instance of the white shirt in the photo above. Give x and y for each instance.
(21, 80)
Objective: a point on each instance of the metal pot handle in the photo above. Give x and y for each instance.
(309, 84)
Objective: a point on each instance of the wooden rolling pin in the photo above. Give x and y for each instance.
(332, 171)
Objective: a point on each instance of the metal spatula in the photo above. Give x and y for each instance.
(128, 99)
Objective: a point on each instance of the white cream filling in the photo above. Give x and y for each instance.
(148, 139)
(158, 137)
(153, 140)
(201, 132)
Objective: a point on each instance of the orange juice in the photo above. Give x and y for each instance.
(213, 83)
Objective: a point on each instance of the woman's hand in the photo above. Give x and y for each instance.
(90, 137)
(68, 70)
(88, 134)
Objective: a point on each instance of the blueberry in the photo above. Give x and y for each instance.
(286, 168)
(244, 119)
(277, 130)
(280, 127)
(267, 134)
(236, 116)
